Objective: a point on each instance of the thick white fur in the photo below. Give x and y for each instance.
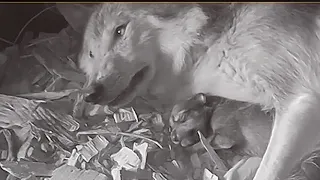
(295, 133)
(266, 62)
(259, 53)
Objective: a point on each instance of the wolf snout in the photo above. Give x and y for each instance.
(96, 95)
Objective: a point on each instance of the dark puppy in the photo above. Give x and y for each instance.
(238, 125)
(239, 130)
(190, 116)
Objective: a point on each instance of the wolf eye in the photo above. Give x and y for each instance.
(120, 30)
(91, 55)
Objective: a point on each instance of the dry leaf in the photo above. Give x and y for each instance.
(142, 150)
(22, 153)
(23, 169)
(174, 171)
(207, 175)
(126, 115)
(92, 147)
(16, 111)
(126, 159)
(48, 96)
(73, 159)
(117, 132)
(48, 60)
(66, 172)
(116, 172)
(20, 112)
(10, 144)
(107, 110)
(213, 155)
(134, 126)
(158, 176)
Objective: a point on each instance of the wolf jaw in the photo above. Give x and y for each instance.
(128, 93)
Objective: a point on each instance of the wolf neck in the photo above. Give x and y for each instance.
(183, 41)
(204, 74)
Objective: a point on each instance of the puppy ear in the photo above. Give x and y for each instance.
(200, 98)
(213, 101)
(196, 101)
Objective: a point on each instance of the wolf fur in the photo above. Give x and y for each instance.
(266, 54)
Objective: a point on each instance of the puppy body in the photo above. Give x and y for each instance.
(260, 53)
(239, 130)
(235, 125)
(242, 126)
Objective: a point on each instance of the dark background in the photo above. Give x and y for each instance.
(13, 16)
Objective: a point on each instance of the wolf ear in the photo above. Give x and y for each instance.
(76, 15)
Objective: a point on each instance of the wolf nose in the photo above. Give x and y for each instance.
(97, 94)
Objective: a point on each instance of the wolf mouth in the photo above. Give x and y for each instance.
(136, 80)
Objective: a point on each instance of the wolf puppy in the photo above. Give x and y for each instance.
(239, 130)
(259, 53)
(240, 126)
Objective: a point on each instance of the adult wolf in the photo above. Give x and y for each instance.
(260, 53)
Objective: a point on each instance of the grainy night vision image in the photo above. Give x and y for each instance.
(159, 91)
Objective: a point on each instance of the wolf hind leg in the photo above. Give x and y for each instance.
(296, 131)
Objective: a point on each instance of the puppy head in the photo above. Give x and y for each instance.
(187, 118)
